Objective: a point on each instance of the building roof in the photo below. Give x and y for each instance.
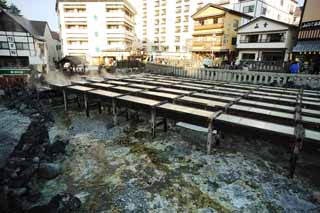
(39, 27)
(84, 1)
(269, 19)
(24, 23)
(55, 35)
(221, 8)
(307, 46)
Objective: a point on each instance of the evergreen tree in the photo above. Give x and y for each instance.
(3, 4)
(14, 10)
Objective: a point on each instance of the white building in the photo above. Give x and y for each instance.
(264, 39)
(281, 10)
(96, 30)
(165, 27)
(24, 42)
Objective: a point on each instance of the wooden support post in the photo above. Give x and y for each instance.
(165, 124)
(78, 102)
(86, 105)
(297, 147)
(153, 123)
(99, 107)
(127, 114)
(65, 100)
(114, 112)
(210, 138)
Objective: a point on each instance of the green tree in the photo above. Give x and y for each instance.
(14, 10)
(3, 4)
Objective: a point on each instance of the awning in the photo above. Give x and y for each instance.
(307, 46)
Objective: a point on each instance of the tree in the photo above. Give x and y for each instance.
(3, 4)
(14, 10)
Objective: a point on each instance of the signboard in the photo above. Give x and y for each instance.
(311, 24)
(15, 71)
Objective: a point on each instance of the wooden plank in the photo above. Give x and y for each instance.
(117, 83)
(225, 92)
(80, 88)
(170, 90)
(309, 119)
(143, 101)
(105, 93)
(262, 111)
(161, 94)
(169, 81)
(312, 135)
(187, 110)
(143, 86)
(267, 105)
(102, 85)
(157, 83)
(128, 89)
(252, 123)
(210, 96)
(95, 80)
(203, 101)
(79, 82)
(187, 87)
(197, 85)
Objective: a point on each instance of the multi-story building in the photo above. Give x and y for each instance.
(215, 33)
(264, 39)
(308, 45)
(164, 27)
(24, 43)
(96, 30)
(281, 10)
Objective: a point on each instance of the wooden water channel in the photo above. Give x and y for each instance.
(291, 115)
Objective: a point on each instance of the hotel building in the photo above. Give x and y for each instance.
(215, 33)
(97, 30)
(165, 27)
(280, 10)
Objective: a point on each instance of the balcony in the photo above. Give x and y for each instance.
(208, 26)
(262, 44)
(246, 41)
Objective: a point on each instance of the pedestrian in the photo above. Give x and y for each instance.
(294, 67)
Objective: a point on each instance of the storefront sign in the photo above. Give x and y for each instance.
(311, 24)
(15, 71)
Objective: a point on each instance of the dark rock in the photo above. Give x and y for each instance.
(316, 197)
(19, 191)
(49, 170)
(33, 191)
(61, 203)
(58, 146)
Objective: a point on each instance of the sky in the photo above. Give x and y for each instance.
(44, 10)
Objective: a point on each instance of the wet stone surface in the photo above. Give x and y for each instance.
(121, 169)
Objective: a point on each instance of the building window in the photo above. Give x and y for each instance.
(248, 9)
(215, 21)
(281, 3)
(248, 56)
(201, 22)
(264, 11)
(4, 45)
(96, 34)
(276, 37)
(234, 41)
(235, 24)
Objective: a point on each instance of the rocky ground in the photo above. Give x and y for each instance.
(65, 162)
(122, 169)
